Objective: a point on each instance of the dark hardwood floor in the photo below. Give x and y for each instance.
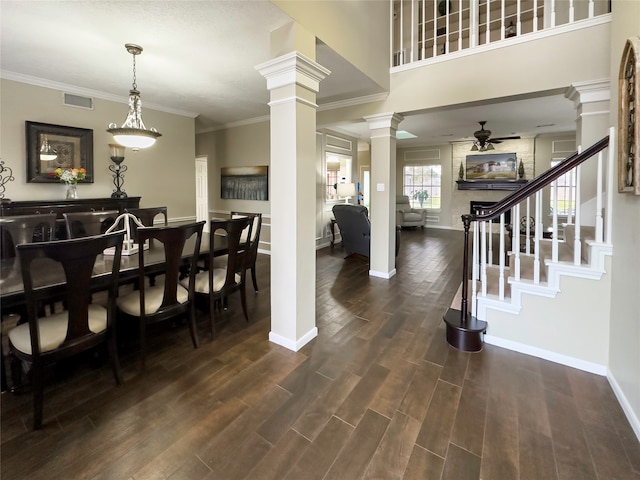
(377, 395)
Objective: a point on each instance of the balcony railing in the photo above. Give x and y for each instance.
(428, 29)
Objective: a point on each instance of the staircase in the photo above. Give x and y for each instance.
(538, 295)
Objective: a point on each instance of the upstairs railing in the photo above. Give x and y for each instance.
(463, 327)
(427, 29)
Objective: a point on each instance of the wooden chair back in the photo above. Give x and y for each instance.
(173, 240)
(252, 252)
(86, 224)
(147, 217)
(231, 232)
(76, 259)
(18, 229)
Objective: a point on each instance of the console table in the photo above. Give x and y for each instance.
(34, 207)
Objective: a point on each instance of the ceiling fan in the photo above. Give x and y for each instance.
(484, 141)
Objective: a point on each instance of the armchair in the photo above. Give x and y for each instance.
(407, 216)
(355, 228)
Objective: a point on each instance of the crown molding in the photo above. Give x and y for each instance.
(63, 87)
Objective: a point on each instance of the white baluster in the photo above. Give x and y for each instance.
(435, 28)
(483, 258)
(553, 13)
(610, 165)
(577, 245)
(554, 223)
(535, 15)
(527, 234)
(487, 32)
(591, 9)
(515, 231)
(424, 30)
(536, 247)
(490, 254)
(502, 21)
(599, 188)
(518, 19)
(460, 25)
(413, 38)
(446, 35)
(474, 271)
(501, 254)
(473, 24)
(571, 199)
(571, 11)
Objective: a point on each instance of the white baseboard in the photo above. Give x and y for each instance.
(547, 355)
(293, 345)
(624, 403)
(374, 273)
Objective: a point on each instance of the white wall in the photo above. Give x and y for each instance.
(162, 175)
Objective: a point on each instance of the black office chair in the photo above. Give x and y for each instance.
(169, 298)
(43, 341)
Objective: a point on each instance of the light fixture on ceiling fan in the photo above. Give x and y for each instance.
(484, 141)
(133, 133)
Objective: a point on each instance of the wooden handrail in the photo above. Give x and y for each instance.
(463, 330)
(539, 182)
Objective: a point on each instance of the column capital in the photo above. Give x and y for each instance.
(589, 92)
(293, 68)
(384, 120)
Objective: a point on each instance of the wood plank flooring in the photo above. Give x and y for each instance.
(377, 395)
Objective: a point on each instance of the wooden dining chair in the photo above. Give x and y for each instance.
(219, 281)
(85, 224)
(148, 215)
(18, 229)
(252, 252)
(43, 341)
(169, 298)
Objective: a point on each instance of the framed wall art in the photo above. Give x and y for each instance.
(628, 124)
(55, 146)
(492, 166)
(244, 183)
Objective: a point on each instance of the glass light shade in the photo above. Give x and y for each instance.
(133, 133)
(47, 153)
(346, 190)
(116, 151)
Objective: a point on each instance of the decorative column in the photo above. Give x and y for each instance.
(293, 80)
(382, 261)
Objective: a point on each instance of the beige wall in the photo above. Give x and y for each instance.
(162, 175)
(624, 356)
(358, 30)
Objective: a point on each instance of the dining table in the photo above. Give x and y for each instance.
(51, 277)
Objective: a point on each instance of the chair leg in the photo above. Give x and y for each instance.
(143, 341)
(114, 358)
(192, 326)
(243, 298)
(253, 278)
(38, 396)
(212, 314)
(16, 373)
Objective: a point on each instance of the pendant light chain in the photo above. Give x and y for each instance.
(134, 85)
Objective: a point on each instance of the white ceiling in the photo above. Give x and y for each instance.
(199, 59)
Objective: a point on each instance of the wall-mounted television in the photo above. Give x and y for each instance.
(492, 166)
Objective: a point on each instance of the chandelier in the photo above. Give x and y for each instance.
(133, 133)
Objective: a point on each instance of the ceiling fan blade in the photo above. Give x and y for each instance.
(500, 139)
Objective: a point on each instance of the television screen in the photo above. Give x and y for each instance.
(492, 166)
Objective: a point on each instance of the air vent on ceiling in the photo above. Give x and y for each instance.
(78, 101)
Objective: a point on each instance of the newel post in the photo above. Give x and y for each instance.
(464, 331)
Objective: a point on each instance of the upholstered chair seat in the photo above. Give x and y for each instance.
(153, 296)
(219, 276)
(53, 330)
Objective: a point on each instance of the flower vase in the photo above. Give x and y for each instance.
(72, 192)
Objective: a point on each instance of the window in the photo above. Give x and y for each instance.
(566, 192)
(422, 184)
